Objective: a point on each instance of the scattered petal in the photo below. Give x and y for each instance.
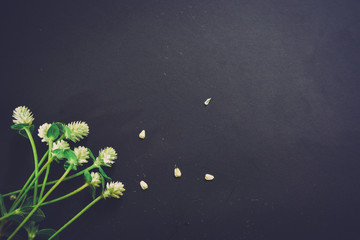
(209, 177)
(143, 185)
(207, 101)
(142, 134)
(177, 172)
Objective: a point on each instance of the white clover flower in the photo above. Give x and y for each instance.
(82, 154)
(22, 115)
(209, 177)
(79, 130)
(177, 172)
(142, 134)
(143, 185)
(42, 132)
(63, 145)
(95, 179)
(114, 189)
(106, 157)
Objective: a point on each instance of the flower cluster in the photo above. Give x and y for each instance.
(42, 132)
(114, 189)
(95, 179)
(63, 145)
(106, 157)
(79, 130)
(22, 115)
(82, 154)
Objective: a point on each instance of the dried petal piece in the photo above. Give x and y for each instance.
(177, 172)
(209, 177)
(143, 185)
(207, 101)
(142, 134)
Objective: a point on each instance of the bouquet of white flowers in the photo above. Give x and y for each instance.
(25, 211)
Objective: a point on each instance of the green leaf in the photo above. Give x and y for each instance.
(19, 126)
(104, 174)
(58, 153)
(2, 206)
(67, 132)
(93, 191)
(28, 202)
(70, 155)
(91, 154)
(102, 183)
(67, 165)
(87, 176)
(38, 215)
(23, 132)
(53, 132)
(46, 234)
(18, 217)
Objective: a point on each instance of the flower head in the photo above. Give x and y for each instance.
(79, 130)
(106, 157)
(95, 179)
(82, 154)
(63, 145)
(177, 172)
(42, 132)
(209, 177)
(114, 189)
(22, 115)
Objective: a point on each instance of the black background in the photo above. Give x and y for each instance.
(281, 135)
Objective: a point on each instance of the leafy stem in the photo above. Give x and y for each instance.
(47, 170)
(41, 201)
(76, 216)
(36, 163)
(67, 195)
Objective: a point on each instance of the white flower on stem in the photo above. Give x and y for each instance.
(143, 185)
(42, 132)
(106, 157)
(177, 172)
(209, 177)
(79, 130)
(95, 179)
(22, 115)
(82, 154)
(114, 189)
(63, 145)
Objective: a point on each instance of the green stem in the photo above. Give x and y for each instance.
(76, 216)
(67, 195)
(47, 170)
(29, 187)
(41, 201)
(36, 163)
(27, 182)
(52, 182)
(6, 216)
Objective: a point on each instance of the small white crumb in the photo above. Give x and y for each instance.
(143, 185)
(13, 197)
(177, 172)
(142, 134)
(209, 177)
(207, 101)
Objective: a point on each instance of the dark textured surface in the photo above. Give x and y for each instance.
(281, 134)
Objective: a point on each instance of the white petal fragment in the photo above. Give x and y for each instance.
(177, 172)
(143, 185)
(209, 177)
(142, 134)
(207, 101)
